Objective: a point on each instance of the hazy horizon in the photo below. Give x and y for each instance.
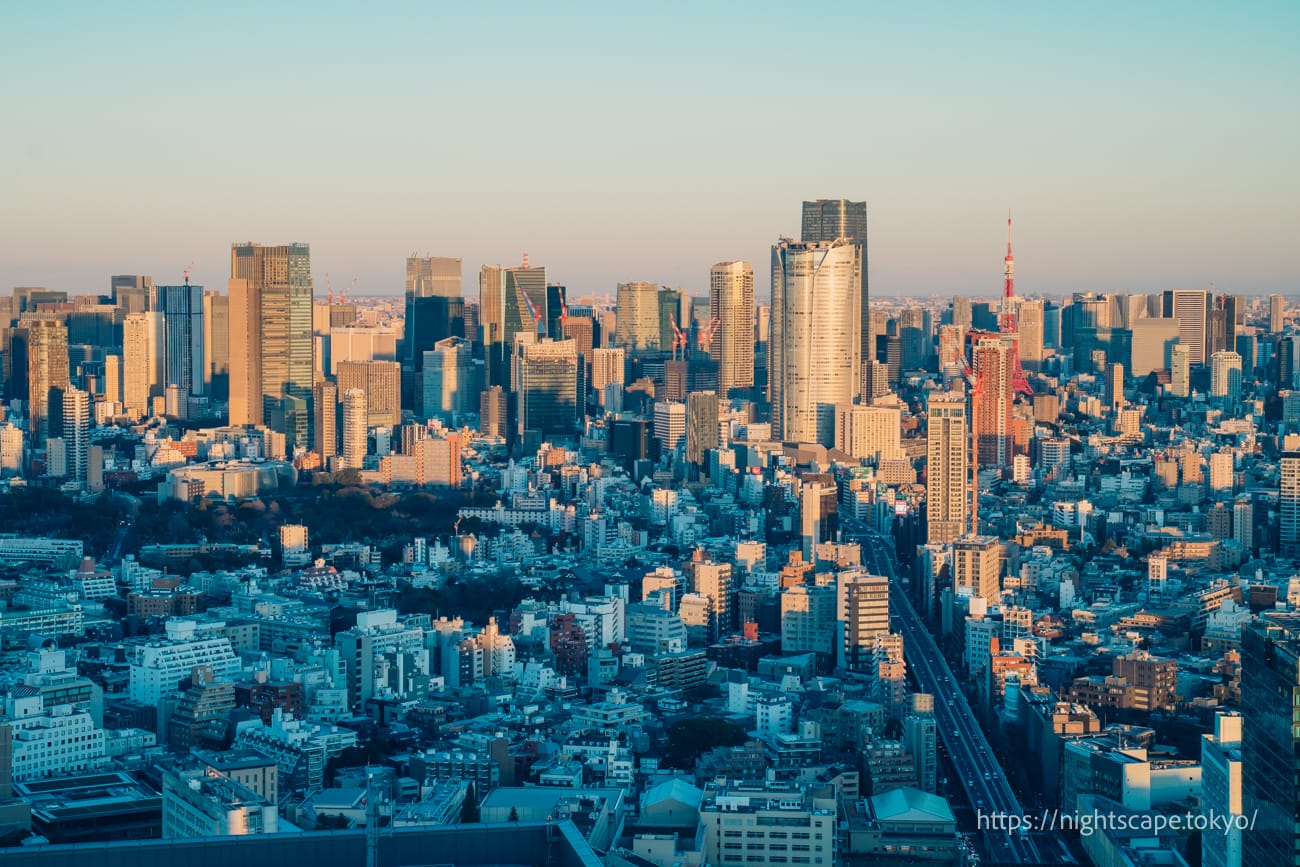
(1139, 148)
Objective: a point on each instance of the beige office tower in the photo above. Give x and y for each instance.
(433, 276)
(815, 353)
(868, 431)
(47, 368)
(947, 497)
(731, 304)
(382, 383)
(216, 343)
(137, 364)
(113, 378)
(606, 369)
(636, 323)
(977, 565)
(355, 428)
(1029, 324)
(325, 409)
(863, 607)
(1276, 313)
(701, 425)
(270, 336)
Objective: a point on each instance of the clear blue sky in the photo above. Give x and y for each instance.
(1141, 145)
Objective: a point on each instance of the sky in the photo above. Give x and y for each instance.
(1141, 146)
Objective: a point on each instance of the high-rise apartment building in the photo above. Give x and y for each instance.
(977, 565)
(816, 351)
(947, 496)
(325, 425)
(356, 428)
(637, 319)
(76, 432)
(829, 220)
(1270, 742)
(993, 399)
(1276, 313)
(44, 345)
(1114, 386)
(607, 368)
(512, 301)
(670, 424)
(701, 425)
(271, 347)
(731, 304)
(494, 413)
(546, 379)
(1225, 378)
(868, 431)
(1180, 370)
(182, 310)
(863, 608)
(1289, 503)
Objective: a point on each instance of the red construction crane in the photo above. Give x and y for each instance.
(680, 339)
(343, 295)
(329, 290)
(705, 334)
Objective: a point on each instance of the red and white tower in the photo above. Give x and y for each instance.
(1007, 321)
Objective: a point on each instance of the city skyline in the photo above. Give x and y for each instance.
(1142, 151)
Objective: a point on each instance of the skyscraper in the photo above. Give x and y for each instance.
(1289, 503)
(453, 380)
(132, 292)
(992, 400)
(381, 382)
(637, 322)
(816, 336)
(325, 410)
(216, 345)
(76, 432)
(546, 377)
(1191, 308)
(731, 305)
(45, 348)
(435, 310)
(1276, 313)
(1270, 745)
(512, 301)
(701, 425)
(1221, 789)
(355, 428)
(1225, 378)
(271, 350)
(829, 220)
(182, 309)
(946, 494)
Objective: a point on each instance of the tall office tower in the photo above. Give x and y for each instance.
(356, 428)
(1221, 789)
(961, 313)
(557, 310)
(863, 608)
(435, 310)
(1224, 321)
(947, 498)
(1180, 370)
(382, 383)
(580, 325)
(637, 317)
(1289, 504)
(829, 220)
(672, 316)
(701, 425)
(182, 310)
(816, 350)
(1051, 325)
(76, 432)
(512, 301)
(1225, 378)
(1191, 308)
(868, 431)
(670, 424)
(545, 374)
(494, 413)
(453, 380)
(607, 366)
(432, 277)
(113, 378)
(1270, 745)
(1114, 386)
(271, 350)
(992, 400)
(45, 343)
(216, 345)
(1276, 313)
(1031, 334)
(977, 565)
(133, 292)
(325, 424)
(731, 305)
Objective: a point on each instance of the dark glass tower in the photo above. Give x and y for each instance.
(1270, 743)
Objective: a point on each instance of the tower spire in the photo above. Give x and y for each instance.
(1009, 266)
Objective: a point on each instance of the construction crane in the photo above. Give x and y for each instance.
(680, 339)
(532, 308)
(343, 295)
(705, 334)
(329, 290)
(188, 269)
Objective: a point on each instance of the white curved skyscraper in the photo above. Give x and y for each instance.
(816, 348)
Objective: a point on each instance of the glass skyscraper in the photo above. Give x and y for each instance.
(829, 220)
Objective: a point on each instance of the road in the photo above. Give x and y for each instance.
(978, 770)
(124, 528)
